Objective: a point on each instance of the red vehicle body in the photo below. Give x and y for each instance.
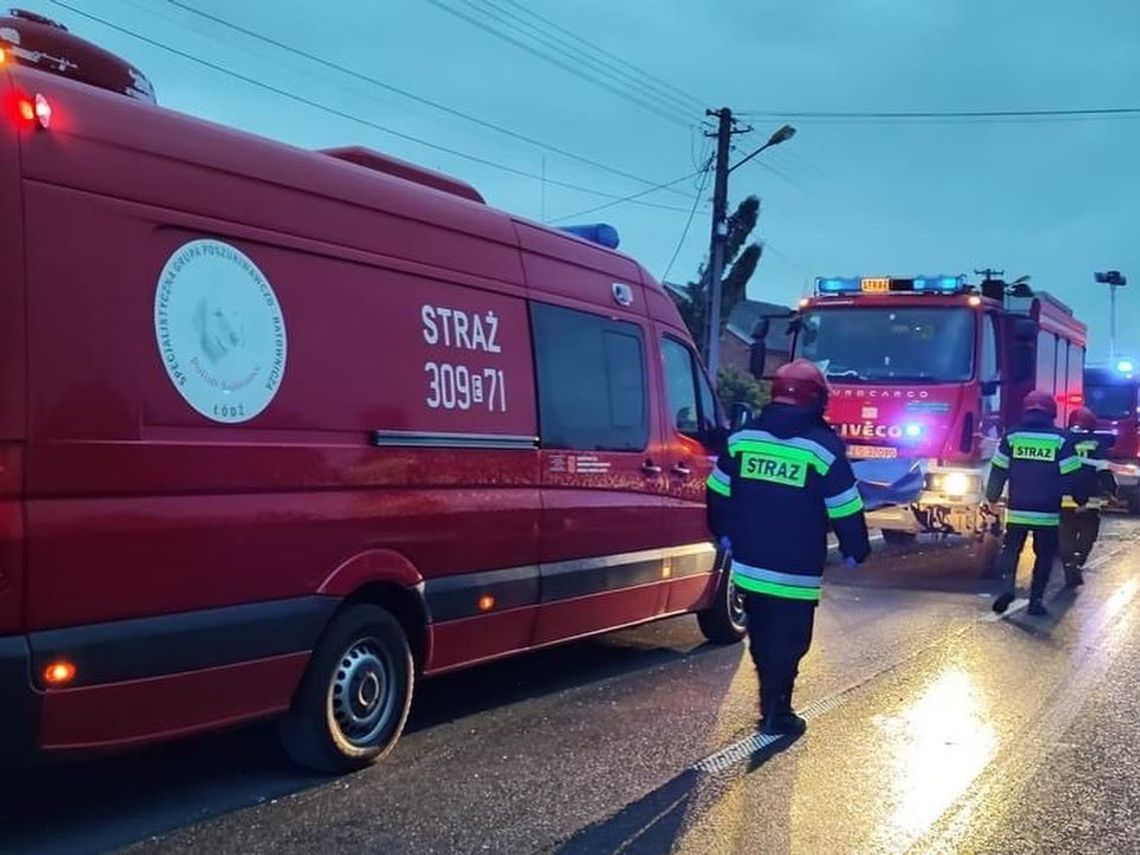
(245, 388)
(938, 369)
(1113, 393)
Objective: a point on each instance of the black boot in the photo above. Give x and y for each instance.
(1037, 608)
(1002, 602)
(783, 721)
(1072, 576)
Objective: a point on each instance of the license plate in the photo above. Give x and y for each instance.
(872, 452)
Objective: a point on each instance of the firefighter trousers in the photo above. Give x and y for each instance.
(779, 634)
(1045, 541)
(1078, 533)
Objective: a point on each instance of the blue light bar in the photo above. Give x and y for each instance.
(602, 234)
(838, 285)
(940, 284)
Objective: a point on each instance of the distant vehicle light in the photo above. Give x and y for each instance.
(913, 431)
(1125, 366)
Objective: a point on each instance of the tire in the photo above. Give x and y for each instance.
(355, 695)
(725, 621)
(896, 537)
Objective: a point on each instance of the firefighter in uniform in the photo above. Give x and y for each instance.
(1040, 464)
(1081, 525)
(780, 484)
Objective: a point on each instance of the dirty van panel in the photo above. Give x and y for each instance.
(237, 428)
(567, 267)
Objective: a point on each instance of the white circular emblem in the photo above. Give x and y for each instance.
(220, 331)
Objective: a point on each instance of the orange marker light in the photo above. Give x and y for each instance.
(59, 673)
(3, 56)
(486, 603)
(26, 109)
(974, 300)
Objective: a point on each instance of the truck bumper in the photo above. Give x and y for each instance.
(19, 702)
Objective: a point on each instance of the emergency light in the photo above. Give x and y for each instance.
(1125, 366)
(890, 285)
(602, 234)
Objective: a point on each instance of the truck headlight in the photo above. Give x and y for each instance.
(956, 483)
(952, 484)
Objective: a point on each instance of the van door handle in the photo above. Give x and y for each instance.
(650, 469)
(681, 470)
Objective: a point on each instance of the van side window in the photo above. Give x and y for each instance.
(1046, 361)
(592, 383)
(692, 406)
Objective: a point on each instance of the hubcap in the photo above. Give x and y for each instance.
(736, 605)
(361, 703)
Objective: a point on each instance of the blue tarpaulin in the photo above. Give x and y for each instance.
(889, 482)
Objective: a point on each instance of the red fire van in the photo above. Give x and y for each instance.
(282, 431)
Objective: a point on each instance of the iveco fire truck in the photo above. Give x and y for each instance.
(926, 372)
(1113, 393)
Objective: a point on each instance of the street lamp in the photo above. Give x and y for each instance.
(720, 232)
(1113, 279)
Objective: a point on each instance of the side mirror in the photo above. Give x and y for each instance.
(741, 415)
(757, 358)
(761, 328)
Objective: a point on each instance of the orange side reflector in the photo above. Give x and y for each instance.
(26, 109)
(486, 603)
(59, 673)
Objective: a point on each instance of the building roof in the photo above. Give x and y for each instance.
(746, 313)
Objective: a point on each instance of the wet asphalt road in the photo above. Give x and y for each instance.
(933, 729)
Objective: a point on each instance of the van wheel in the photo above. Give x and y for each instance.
(354, 698)
(725, 621)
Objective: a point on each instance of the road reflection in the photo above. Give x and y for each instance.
(936, 746)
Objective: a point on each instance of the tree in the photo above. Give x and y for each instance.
(736, 387)
(740, 260)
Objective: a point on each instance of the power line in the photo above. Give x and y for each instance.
(631, 198)
(689, 221)
(910, 115)
(576, 71)
(296, 51)
(596, 63)
(358, 120)
(697, 102)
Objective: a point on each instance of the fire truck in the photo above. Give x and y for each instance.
(1113, 393)
(926, 372)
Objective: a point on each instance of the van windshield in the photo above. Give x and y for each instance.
(884, 344)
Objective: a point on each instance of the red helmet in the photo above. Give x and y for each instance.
(1040, 402)
(1082, 418)
(801, 384)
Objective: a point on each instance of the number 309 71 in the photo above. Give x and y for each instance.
(457, 387)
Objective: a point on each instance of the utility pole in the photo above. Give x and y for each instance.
(726, 127)
(724, 133)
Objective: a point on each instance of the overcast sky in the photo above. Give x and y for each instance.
(1055, 199)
